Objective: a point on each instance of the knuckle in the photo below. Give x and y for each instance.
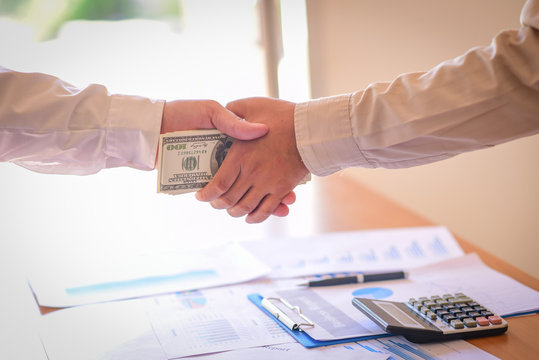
(241, 209)
(283, 188)
(247, 208)
(226, 202)
(221, 186)
(263, 214)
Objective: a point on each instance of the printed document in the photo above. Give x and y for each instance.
(356, 251)
(103, 277)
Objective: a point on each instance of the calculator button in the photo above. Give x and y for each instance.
(462, 316)
(486, 313)
(441, 313)
(435, 297)
(424, 310)
(429, 304)
(479, 308)
(412, 301)
(441, 302)
(448, 318)
(463, 300)
(495, 320)
(431, 315)
(467, 309)
(418, 306)
(436, 308)
(456, 324)
(473, 303)
(483, 321)
(455, 311)
(423, 299)
(474, 314)
(470, 322)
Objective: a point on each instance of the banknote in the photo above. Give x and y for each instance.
(188, 160)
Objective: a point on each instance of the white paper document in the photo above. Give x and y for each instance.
(199, 322)
(92, 278)
(162, 327)
(222, 319)
(330, 308)
(356, 251)
(395, 348)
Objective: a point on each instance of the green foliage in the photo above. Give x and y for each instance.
(49, 15)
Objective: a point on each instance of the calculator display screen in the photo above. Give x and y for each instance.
(398, 314)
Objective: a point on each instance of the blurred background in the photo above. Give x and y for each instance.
(224, 50)
(490, 197)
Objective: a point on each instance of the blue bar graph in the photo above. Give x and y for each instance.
(437, 247)
(369, 256)
(141, 282)
(415, 251)
(400, 350)
(392, 253)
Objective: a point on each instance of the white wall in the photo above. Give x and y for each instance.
(490, 197)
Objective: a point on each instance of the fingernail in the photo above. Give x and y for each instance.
(234, 212)
(250, 220)
(218, 204)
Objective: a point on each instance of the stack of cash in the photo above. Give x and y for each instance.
(188, 160)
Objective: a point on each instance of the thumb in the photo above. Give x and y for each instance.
(229, 123)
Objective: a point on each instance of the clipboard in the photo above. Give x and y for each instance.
(301, 336)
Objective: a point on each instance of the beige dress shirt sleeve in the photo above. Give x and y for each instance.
(50, 126)
(485, 97)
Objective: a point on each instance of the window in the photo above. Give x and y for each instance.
(167, 49)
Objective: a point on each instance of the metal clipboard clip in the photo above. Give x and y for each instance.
(282, 317)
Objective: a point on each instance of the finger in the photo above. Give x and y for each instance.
(231, 198)
(266, 207)
(221, 182)
(247, 204)
(289, 199)
(281, 211)
(229, 123)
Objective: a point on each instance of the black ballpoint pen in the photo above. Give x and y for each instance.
(357, 279)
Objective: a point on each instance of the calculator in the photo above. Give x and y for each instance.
(435, 318)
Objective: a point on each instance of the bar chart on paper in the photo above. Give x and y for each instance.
(359, 251)
(401, 349)
(199, 322)
(85, 278)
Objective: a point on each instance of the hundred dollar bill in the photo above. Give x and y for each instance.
(188, 160)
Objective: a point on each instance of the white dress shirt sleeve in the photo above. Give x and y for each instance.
(485, 97)
(50, 126)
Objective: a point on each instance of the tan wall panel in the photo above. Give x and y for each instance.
(490, 197)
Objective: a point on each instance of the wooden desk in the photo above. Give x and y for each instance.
(346, 204)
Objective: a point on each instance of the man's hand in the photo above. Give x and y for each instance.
(208, 114)
(257, 177)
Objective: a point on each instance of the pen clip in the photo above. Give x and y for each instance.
(282, 317)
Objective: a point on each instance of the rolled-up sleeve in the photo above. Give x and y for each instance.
(485, 97)
(50, 126)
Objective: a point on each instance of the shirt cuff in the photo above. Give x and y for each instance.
(324, 135)
(133, 128)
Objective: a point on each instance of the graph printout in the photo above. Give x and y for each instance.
(394, 348)
(358, 251)
(212, 320)
(92, 278)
